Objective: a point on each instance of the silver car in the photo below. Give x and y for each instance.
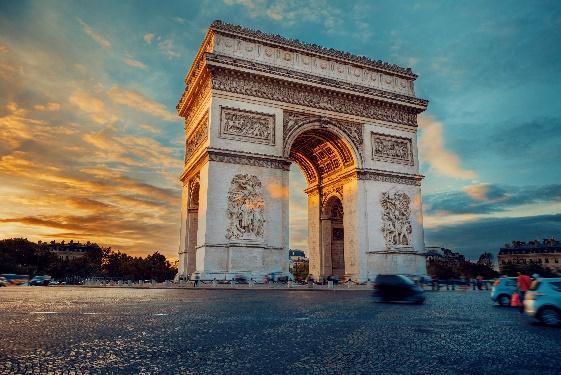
(543, 301)
(501, 292)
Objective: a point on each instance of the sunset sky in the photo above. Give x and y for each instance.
(91, 147)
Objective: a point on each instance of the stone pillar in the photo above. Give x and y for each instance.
(326, 264)
(183, 256)
(314, 239)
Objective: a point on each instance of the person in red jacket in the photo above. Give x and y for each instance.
(523, 283)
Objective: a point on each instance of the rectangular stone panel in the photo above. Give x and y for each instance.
(247, 126)
(392, 149)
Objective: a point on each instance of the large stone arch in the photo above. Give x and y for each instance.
(256, 103)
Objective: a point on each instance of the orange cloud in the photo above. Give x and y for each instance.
(139, 102)
(433, 151)
(93, 106)
(51, 107)
(477, 192)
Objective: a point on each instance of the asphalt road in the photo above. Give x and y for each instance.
(83, 330)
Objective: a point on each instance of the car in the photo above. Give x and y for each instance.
(543, 301)
(40, 280)
(397, 288)
(3, 281)
(502, 290)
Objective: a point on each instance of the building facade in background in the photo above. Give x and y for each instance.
(254, 104)
(69, 250)
(546, 253)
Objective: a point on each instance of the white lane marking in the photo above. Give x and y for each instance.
(43, 312)
(89, 313)
(160, 314)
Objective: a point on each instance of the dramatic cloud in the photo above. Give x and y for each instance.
(474, 238)
(490, 198)
(104, 43)
(433, 151)
(139, 102)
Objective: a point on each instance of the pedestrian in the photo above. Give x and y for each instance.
(479, 282)
(523, 284)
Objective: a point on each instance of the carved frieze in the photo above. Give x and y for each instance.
(392, 149)
(246, 208)
(282, 91)
(247, 126)
(197, 137)
(396, 218)
(390, 178)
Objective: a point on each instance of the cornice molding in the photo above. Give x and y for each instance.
(250, 66)
(222, 27)
(289, 92)
(255, 160)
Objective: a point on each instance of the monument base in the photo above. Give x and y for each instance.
(402, 260)
(244, 259)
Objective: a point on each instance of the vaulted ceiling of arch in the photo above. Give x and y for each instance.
(320, 153)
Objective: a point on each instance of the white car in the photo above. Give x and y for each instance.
(543, 301)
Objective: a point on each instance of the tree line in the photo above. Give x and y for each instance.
(20, 256)
(446, 270)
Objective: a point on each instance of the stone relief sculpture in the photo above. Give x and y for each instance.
(392, 149)
(247, 126)
(245, 208)
(197, 137)
(396, 222)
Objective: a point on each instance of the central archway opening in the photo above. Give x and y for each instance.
(324, 157)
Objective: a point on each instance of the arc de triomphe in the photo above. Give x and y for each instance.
(253, 104)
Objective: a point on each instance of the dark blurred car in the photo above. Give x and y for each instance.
(397, 288)
(333, 278)
(40, 281)
(241, 279)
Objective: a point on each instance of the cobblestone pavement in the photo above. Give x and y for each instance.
(82, 330)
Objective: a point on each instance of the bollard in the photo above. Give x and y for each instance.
(330, 284)
(289, 284)
(232, 283)
(214, 282)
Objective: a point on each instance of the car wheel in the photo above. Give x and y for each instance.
(504, 300)
(550, 316)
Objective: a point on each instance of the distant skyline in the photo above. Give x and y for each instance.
(91, 147)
